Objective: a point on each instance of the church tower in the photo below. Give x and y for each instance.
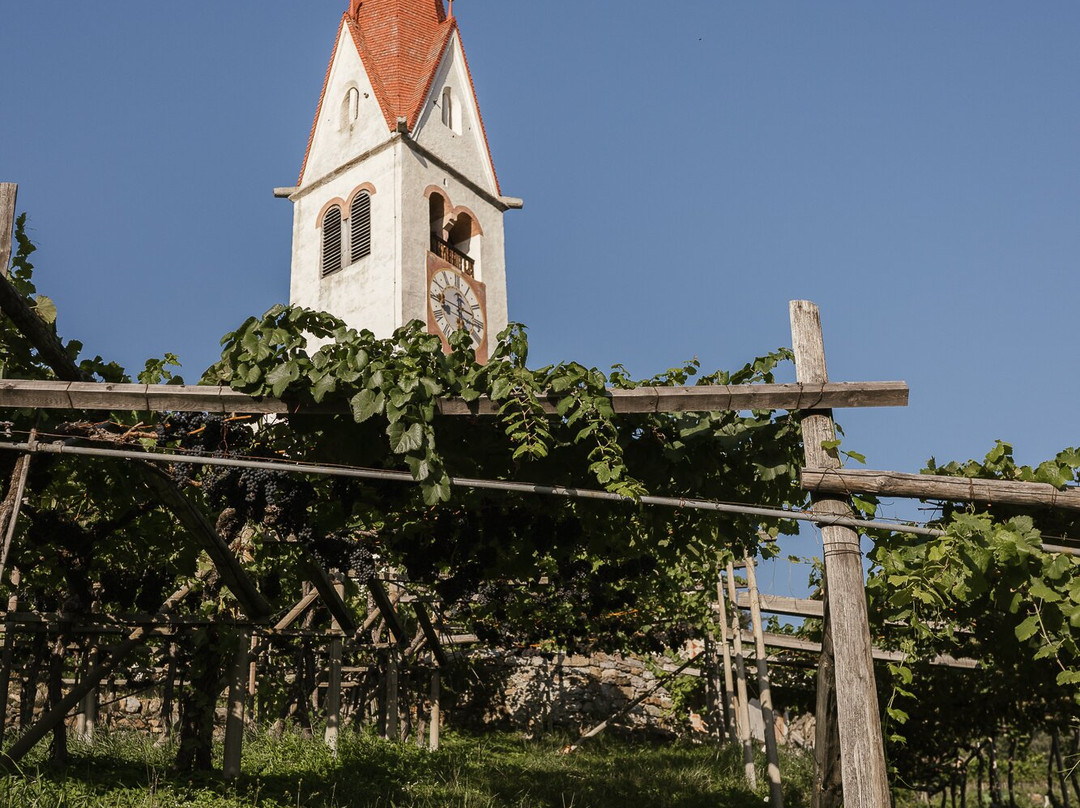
(397, 214)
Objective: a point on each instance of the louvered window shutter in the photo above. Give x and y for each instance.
(331, 241)
(360, 232)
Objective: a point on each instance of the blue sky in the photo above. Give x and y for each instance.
(687, 168)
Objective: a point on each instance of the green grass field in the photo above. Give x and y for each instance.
(475, 771)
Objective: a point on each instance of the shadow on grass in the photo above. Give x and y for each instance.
(485, 770)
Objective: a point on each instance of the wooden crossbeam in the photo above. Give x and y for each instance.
(430, 635)
(85, 395)
(386, 607)
(331, 597)
(932, 486)
(296, 611)
(777, 604)
(791, 643)
(196, 523)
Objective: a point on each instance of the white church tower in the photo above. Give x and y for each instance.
(398, 213)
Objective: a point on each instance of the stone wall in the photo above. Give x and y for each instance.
(527, 691)
(539, 692)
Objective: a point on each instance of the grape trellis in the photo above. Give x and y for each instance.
(426, 503)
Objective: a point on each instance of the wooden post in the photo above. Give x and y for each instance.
(828, 787)
(234, 718)
(87, 721)
(768, 720)
(253, 679)
(13, 504)
(9, 192)
(862, 747)
(392, 659)
(742, 715)
(9, 651)
(436, 695)
(333, 686)
(167, 692)
(730, 704)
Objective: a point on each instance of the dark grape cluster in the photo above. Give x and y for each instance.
(269, 497)
(343, 550)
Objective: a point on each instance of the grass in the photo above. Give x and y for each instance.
(126, 771)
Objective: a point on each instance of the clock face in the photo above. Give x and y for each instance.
(456, 306)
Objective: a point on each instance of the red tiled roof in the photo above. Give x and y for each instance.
(401, 43)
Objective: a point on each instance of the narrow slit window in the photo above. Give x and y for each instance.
(448, 107)
(331, 241)
(360, 227)
(353, 105)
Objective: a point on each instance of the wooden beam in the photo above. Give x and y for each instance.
(41, 335)
(195, 522)
(772, 756)
(715, 398)
(932, 486)
(296, 611)
(88, 395)
(742, 699)
(789, 642)
(333, 685)
(730, 704)
(9, 192)
(328, 591)
(386, 608)
(12, 505)
(430, 635)
(234, 717)
(865, 777)
(777, 604)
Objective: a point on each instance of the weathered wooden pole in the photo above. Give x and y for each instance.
(768, 720)
(743, 701)
(253, 680)
(234, 718)
(333, 685)
(828, 790)
(87, 720)
(436, 695)
(730, 706)
(862, 748)
(392, 708)
(9, 650)
(9, 192)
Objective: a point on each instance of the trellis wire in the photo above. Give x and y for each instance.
(467, 482)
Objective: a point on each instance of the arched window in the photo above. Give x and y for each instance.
(461, 233)
(360, 227)
(448, 107)
(331, 240)
(437, 214)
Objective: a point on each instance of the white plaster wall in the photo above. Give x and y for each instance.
(363, 294)
(464, 149)
(336, 141)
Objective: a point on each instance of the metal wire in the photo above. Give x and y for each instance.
(823, 520)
